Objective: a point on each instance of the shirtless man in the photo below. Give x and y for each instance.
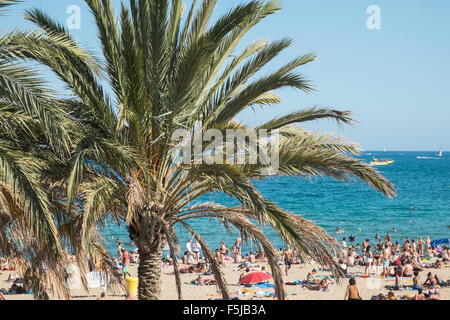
(219, 257)
(430, 281)
(408, 269)
(386, 260)
(420, 246)
(287, 255)
(413, 246)
(388, 237)
(404, 255)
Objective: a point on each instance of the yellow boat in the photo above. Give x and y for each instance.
(382, 162)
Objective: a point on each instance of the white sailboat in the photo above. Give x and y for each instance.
(440, 152)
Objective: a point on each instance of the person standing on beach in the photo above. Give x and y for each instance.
(236, 250)
(420, 246)
(413, 246)
(386, 260)
(428, 241)
(236, 254)
(344, 247)
(188, 246)
(365, 244)
(189, 254)
(119, 250)
(369, 260)
(196, 249)
(125, 263)
(287, 255)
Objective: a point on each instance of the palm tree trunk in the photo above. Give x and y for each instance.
(149, 274)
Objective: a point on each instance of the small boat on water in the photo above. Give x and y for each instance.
(439, 156)
(381, 162)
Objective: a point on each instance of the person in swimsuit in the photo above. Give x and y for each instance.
(309, 278)
(434, 295)
(352, 291)
(196, 250)
(420, 244)
(407, 269)
(287, 254)
(125, 263)
(369, 260)
(386, 260)
(237, 250)
(377, 257)
(322, 285)
(430, 282)
(119, 250)
(398, 274)
(416, 281)
(419, 295)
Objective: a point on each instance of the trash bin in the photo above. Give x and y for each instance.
(132, 286)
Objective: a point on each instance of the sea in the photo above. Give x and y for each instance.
(421, 208)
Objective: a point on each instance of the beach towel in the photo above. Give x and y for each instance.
(295, 283)
(265, 285)
(247, 290)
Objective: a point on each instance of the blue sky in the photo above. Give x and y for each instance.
(394, 79)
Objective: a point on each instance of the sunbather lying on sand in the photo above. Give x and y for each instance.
(204, 282)
(321, 285)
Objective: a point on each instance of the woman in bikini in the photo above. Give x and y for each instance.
(377, 257)
(369, 260)
(322, 285)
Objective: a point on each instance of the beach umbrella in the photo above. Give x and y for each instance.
(256, 277)
(441, 242)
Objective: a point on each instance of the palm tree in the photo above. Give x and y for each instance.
(165, 72)
(28, 232)
(35, 140)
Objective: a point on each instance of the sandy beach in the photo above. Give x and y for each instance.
(368, 286)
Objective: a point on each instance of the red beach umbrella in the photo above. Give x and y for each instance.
(256, 277)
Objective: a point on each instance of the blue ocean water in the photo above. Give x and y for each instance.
(422, 183)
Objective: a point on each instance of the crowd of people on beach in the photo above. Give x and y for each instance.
(18, 285)
(390, 259)
(191, 259)
(382, 258)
